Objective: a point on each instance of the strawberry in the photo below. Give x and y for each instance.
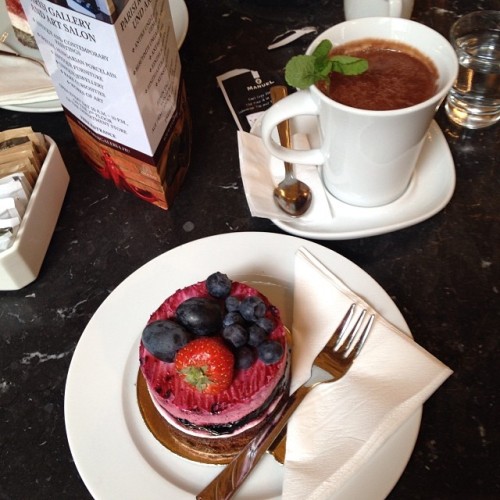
(207, 364)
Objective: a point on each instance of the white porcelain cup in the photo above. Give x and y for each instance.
(354, 9)
(366, 157)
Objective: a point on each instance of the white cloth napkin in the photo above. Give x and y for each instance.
(339, 426)
(23, 81)
(261, 172)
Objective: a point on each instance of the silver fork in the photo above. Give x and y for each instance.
(342, 349)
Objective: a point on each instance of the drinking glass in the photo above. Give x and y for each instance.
(474, 100)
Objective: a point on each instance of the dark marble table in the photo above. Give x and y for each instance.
(442, 273)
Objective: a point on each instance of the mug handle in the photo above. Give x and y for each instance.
(299, 103)
(395, 8)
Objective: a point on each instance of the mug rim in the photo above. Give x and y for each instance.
(434, 99)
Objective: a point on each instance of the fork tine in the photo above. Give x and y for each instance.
(353, 331)
(353, 354)
(342, 328)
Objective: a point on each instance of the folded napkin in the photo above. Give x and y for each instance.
(261, 172)
(339, 426)
(23, 81)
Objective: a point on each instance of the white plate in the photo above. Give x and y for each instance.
(429, 191)
(35, 107)
(115, 453)
(180, 18)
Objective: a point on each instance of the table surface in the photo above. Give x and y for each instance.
(442, 273)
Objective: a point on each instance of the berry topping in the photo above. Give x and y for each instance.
(218, 285)
(239, 319)
(252, 308)
(256, 335)
(245, 356)
(267, 324)
(232, 318)
(236, 335)
(270, 351)
(232, 303)
(200, 315)
(207, 364)
(164, 338)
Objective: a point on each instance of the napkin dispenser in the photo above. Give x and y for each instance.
(21, 262)
(117, 73)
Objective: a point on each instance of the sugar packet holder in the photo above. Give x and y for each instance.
(20, 264)
(22, 153)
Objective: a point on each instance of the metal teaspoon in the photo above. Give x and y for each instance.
(291, 195)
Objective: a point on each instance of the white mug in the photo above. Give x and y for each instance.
(366, 157)
(354, 9)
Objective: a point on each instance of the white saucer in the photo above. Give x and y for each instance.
(430, 189)
(180, 18)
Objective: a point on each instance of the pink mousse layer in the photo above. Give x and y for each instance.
(249, 390)
(203, 432)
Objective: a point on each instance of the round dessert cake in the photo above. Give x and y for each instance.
(214, 363)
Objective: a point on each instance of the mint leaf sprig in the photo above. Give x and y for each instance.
(305, 70)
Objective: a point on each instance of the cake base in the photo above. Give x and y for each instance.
(198, 449)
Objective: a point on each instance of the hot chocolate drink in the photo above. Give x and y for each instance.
(398, 76)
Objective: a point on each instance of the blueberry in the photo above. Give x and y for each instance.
(270, 351)
(256, 335)
(200, 315)
(218, 285)
(252, 308)
(235, 334)
(232, 303)
(245, 356)
(164, 338)
(267, 324)
(232, 318)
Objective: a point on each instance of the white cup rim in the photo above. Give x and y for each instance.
(436, 98)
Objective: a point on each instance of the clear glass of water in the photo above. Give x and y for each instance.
(474, 100)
